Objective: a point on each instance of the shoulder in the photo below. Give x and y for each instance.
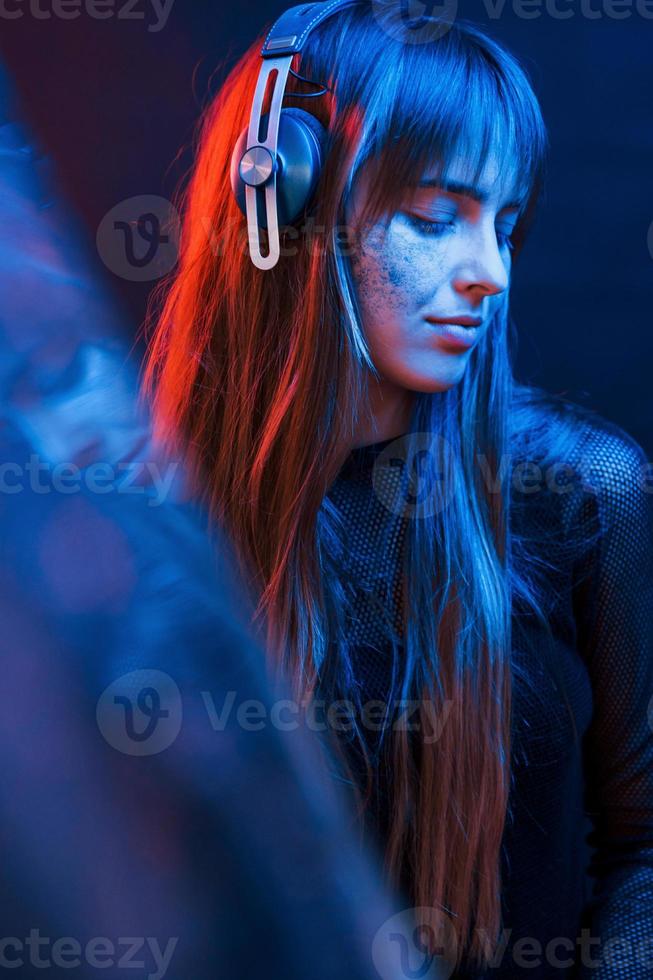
(614, 468)
(606, 476)
(553, 428)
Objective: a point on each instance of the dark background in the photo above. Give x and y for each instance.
(115, 104)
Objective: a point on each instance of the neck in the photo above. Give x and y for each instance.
(390, 412)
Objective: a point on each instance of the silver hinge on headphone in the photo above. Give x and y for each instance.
(282, 66)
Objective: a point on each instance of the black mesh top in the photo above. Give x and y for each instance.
(577, 857)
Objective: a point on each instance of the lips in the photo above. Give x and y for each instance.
(454, 335)
(462, 321)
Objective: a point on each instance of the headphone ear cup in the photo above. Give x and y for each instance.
(300, 150)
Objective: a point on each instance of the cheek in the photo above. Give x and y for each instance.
(396, 277)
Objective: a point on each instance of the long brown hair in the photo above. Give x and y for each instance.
(258, 378)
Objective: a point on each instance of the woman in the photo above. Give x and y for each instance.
(379, 479)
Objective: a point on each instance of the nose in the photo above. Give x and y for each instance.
(481, 270)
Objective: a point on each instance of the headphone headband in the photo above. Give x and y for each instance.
(290, 30)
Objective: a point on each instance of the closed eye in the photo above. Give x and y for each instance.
(430, 227)
(504, 240)
(438, 228)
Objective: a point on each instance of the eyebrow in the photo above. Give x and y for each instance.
(466, 190)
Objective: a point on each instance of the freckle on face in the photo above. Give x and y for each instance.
(394, 275)
(395, 279)
(392, 269)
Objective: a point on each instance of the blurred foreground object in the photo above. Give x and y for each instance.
(156, 809)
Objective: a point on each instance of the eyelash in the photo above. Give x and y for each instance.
(436, 228)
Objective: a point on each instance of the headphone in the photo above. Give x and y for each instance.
(277, 160)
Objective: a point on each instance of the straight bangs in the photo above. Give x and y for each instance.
(459, 96)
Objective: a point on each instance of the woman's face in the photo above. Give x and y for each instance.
(446, 254)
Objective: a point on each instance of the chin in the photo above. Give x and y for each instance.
(430, 385)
